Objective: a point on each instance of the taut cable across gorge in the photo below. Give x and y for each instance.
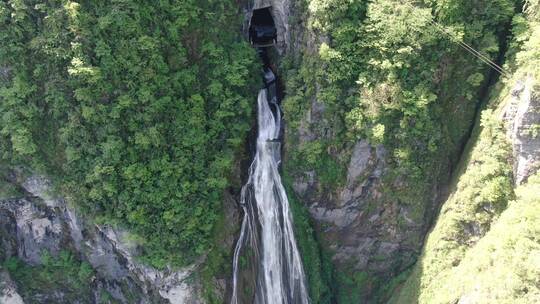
(267, 236)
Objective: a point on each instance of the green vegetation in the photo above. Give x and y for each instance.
(65, 274)
(482, 193)
(352, 286)
(484, 245)
(312, 156)
(386, 74)
(137, 109)
(218, 264)
(317, 265)
(7, 189)
(503, 266)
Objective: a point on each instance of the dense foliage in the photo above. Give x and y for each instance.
(480, 196)
(384, 72)
(137, 108)
(64, 274)
(388, 74)
(484, 245)
(503, 266)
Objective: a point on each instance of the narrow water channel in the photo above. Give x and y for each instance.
(267, 228)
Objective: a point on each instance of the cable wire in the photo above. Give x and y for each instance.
(464, 45)
(471, 50)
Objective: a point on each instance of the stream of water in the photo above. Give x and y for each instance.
(267, 227)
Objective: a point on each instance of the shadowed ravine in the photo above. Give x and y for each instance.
(267, 228)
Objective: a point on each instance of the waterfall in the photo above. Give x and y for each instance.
(267, 225)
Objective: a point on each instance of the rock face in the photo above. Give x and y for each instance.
(364, 228)
(8, 290)
(39, 221)
(280, 12)
(522, 114)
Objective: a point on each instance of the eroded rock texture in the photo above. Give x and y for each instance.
(39, 221)
(522, 114)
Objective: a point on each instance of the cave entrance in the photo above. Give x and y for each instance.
(262, 29)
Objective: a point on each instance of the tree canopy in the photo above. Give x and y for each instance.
(137, 108)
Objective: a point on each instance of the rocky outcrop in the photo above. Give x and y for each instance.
(522, 114)
(8, 290)
(364, 226)
(39, 222)
(281, 14)
(363, 222)
(364, 229)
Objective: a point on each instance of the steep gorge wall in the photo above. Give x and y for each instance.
(484, 244)
(370, 219)
(482, 248)
(180, 54)
(370, 232)
(36, 222)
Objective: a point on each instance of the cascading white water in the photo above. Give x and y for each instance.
(267, 225)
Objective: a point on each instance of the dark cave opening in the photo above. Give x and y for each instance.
(262, 29)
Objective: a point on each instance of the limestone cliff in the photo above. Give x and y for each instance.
(37, 222)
